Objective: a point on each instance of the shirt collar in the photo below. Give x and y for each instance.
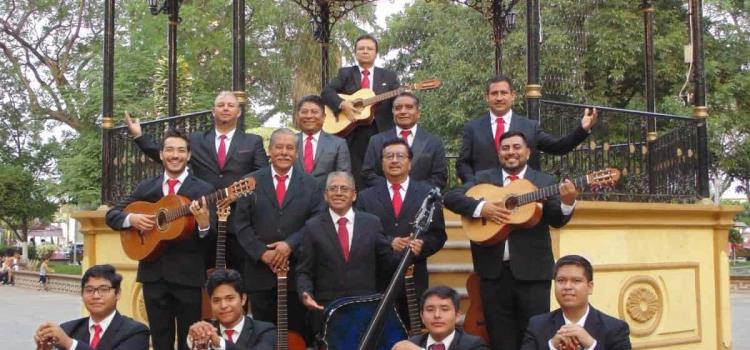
(104, 323)
(447, 341)
(521, 175)
(404, 185)
(580, 322)
(288, 173)
(181, 178)
(506, 117)
(237, 328)
(335, 217)
(413, 131)
(362, 69)
(315, 136)
(229, 135)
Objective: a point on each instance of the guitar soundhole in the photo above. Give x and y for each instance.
(511, 203)
(161, 219)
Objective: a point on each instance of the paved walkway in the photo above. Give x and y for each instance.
(23, 310)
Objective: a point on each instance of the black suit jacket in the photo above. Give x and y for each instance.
(182, 261)
(322, 271)
(347, 81)
(461, 341)
(428, 164)
(245, 155)
(531, 248)
(331, 154)
(123, 333)
(478, 146)
(609, 332)
(260, 221)
(255, 335)
(377, 201)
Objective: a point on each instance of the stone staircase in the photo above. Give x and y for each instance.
(452, 265)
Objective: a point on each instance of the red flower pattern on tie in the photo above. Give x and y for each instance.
(97, 335)
(499, 131)
(343, 234)
(281, 188)
(172, 184)
(397, 200)
(221, 155)
(365, 84)
(308, 154)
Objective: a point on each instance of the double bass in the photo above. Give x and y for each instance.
(371, 322)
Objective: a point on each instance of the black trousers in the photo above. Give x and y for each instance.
(508, 304)
(264, 306)
(357, 142)
(165, 303)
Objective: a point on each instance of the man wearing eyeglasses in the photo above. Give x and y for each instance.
(105, 328)
(396, 202)
(341, 250)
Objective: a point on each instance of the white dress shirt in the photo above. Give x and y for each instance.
(104, 324)
(446, 341)
(402, 191)
(227, 140)
(580, 322)
(371, 76)
(506, 122)
(315, 138)
(276, 182)
(410, 139)
(349, 223)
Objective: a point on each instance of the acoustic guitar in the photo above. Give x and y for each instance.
(222, 211)
(522, 198)
(474, 322)
(364, 99)
(173, 220)
(412, 303)
(285, 339)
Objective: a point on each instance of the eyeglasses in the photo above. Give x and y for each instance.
(102, 290)
(341, 189)
(397, 156)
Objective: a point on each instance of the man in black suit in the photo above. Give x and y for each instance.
(220, 157)
(481, 135)
(172, 282)
(231, 329)
(105, 328)
(319, 152)
(429, 162)
(515, 273)
(576, 324)
(350, 80)
(439, 311)
(341, 250)
(396, 201)
(267, 225)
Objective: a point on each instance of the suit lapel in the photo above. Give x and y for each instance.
(323, 141)
(384, 198)
(233, 146)
(420, 141)
(329, 230)
(247, 331)
(111, 333)
(594, 326)
(357, 77)
(294, 184)
(209, 147)
(265, 179)
(486, 129)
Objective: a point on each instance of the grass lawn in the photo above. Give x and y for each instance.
(64, 268)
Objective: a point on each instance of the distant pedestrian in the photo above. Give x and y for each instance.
(43, 269)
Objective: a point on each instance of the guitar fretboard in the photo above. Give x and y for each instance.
(221, 244)
(384, 96)
(282, 339)
(415, 325)
(549, 191)
(183, 210)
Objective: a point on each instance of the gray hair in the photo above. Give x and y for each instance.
(338, 173)
(225, 93)
(281, 131)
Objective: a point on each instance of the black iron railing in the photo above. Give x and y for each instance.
(128, 165)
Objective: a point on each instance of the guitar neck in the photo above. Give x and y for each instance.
(415, 326)
(549, 191)
(282, 339)
(221, 244)
(184, 210)
(381, 97)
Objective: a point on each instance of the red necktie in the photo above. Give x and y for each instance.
(281, 188)
(365, 84)
(499, 130)
(397, 201)
(172, 183)
(309, 154)
(405, 135)
(229, 333)
(221, 155)
(512, 178)
(344, 238)
(97, 336)
(437, 346)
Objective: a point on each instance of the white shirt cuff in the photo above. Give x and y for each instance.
(567, 209)
(478, 210)
(73, 345)
(126, 222)
(203, 232)
(593, 346)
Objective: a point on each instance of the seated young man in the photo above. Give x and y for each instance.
(104, 328)
(576, 324)
(439, 311)
(232, 330)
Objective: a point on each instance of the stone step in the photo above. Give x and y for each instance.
(453, 251)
